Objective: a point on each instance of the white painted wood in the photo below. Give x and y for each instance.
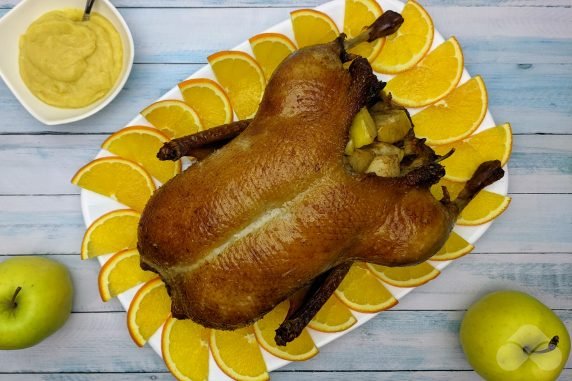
(165, 35)
(541, 164)
(523, 50)
(546, 276)
(392, 340)
(145, 85)
(534, 98)
(395, 340)
(88, 342)
(487, 34)
(275, 376)
(45, 164)
(308, 3)
(40, 225)
(533, 223)
(463, 375)
(490, 23)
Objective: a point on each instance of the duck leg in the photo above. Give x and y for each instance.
(383, 26)
(317, 295)
(202, 143)
(486, 174)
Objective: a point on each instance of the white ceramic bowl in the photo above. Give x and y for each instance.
(16, 22)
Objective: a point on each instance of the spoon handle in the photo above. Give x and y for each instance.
(87, 10)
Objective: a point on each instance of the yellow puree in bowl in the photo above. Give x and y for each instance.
(70, 63)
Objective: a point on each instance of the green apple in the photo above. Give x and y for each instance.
(511, 336)
(35, 300)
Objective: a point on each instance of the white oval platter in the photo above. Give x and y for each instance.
(94, 205)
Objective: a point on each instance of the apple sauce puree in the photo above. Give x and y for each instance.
(70, 63)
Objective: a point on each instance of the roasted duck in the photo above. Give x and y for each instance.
(273, 210)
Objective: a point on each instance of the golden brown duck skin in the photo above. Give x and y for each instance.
(188, 232)
(244, 229)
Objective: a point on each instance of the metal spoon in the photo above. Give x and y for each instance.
(87, 10)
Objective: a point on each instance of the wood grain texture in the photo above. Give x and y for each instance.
(281, 375)
(546, 276)
(395, 341)
(487, 34)
(534, 223)
(40, 225)
(146, 83)
(515, 31)
(307, 3)
(523, 50)
(535, 98)
(44, 164)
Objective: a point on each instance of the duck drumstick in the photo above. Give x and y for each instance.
(177, 148)
(383, 26)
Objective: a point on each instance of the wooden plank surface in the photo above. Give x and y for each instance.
(515, 32)
(402, 336)
(307, 3)
(534, 223)
(146, 83)
(487, 34)
(280, 375)
(44, 164)
(535, 98)
(546, 276)
(523, 50)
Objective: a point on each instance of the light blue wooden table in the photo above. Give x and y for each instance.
(523, 50)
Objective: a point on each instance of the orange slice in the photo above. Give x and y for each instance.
(312, 27)
(409, 276)
(270, 49)
(300, 349)
(242, 79)
(491, 144)
(148, 310)
(406, 47)
(141, 144)
(175, 118)
(334, 316)
(359, 14)
(363, 292)
(238, 355)
(454, 117)
(209, 100)
(120, 273)
(454, 248)
(433, 78)
(485, 207)
(185, 348)
(110, 233)
(120, 179)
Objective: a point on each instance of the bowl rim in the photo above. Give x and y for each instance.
(103, 102)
